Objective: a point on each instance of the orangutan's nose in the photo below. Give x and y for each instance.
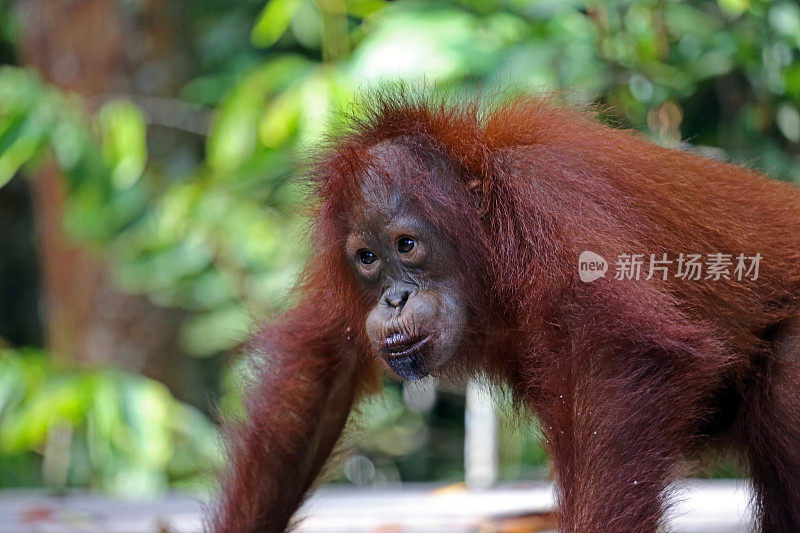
(396, 296)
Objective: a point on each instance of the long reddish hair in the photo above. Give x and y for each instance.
(530, 186)
(554, 182)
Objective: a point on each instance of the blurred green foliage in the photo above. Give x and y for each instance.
(101, 428)
(223, 236)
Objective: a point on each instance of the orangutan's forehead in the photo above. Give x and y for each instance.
(390, 186)
(379, 202)
(382, 191)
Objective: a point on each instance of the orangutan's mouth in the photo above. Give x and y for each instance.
(404, 356)
(399, 346)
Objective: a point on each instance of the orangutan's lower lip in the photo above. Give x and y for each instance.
(410, 367)
(405, 349)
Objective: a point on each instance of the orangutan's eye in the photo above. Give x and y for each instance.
(366, 257)
(405, 245)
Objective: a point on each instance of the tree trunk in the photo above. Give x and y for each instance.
(93, 48)
(77, 45)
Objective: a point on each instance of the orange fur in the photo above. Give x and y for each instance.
(627, 376)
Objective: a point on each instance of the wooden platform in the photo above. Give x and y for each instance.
(703, 507)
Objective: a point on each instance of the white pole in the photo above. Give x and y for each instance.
(480, 436)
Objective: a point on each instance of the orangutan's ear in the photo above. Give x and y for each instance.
(480, 196)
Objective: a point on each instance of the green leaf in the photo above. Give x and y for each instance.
(734, 7)
(26, 144)
(124, 142)
(217, 331)
(273, 21)
(234, 134)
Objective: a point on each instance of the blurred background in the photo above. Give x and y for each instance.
(150, 210)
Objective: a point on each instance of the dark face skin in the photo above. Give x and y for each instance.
(418, 319)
